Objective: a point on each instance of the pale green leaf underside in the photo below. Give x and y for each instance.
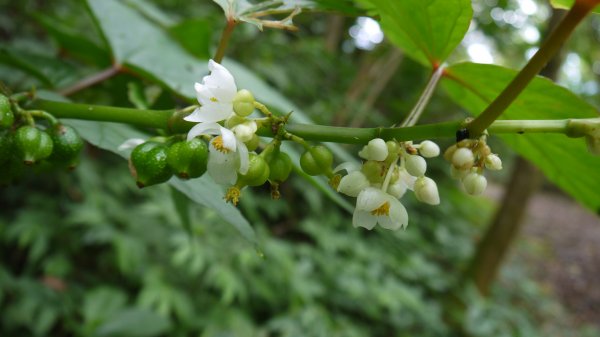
(568, 4)
(426, 30)
(564, 161)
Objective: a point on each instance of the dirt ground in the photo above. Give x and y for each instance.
(567, 237)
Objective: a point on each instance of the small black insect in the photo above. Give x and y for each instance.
(462, 134)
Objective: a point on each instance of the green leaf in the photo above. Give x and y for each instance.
(566, 4)
(194, 35)
(566, 162)
(75, 43)
(203, 191)
(47, 69)
(134, 323)
(426, 30)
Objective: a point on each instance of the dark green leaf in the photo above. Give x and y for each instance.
(194, 35)
(426, 30)
(566, 162)
(49, 70)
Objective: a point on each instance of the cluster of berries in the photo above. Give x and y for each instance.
(25, 143)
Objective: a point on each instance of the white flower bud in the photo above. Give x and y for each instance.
(429, 149)
(426, 191)
(416, 165)
(474, 183)
(457, 173)
(245, 131)
(463, 158)
(397, 189)
(353, 183)
(376, 150)
(243, 103)
(493, 162)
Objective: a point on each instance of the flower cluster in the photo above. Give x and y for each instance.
(388, 171)
(221, 101)
(468, 158)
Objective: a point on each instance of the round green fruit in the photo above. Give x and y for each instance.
(258, 172)
(148, 164)
(32, 144)
(317, 160)
(280, 166)
(67, 145)
(188, 159)
(7, 117)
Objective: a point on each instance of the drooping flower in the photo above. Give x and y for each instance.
(228, 155)
(375, 206)
(215, 94)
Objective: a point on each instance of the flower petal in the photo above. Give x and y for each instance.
(363, 219)
(348, 166)
(370, 199)
(353, 183)
(244, 157)
(204, 129)
(397, 218)
(130, 144)
(221, 78)
(229, 140)
(222, 166)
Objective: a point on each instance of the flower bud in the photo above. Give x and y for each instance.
(243, 103)
(416, 165)
(245, 131)
(374, 171)
(463, 158)
(397, 189)
(426, 191)
(429, 149)
(353, 183)
(458, 173)
(493, 162)
(474, 183)
(376, 150)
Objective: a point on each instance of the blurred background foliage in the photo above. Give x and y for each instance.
(86, 253)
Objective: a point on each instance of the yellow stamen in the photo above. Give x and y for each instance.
(233, 195)
(382, 210)
(218, 144)
(214, 99)
(334, 182)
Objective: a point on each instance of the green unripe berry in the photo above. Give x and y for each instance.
(243, 103)
(7, 117)
(148, 164)
(67, 145)
(188, 159)
(258, 172)
(32, 144)
(280, 166)
(317, 160)
(374, 171)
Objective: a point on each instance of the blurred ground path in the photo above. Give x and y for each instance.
(568, 237)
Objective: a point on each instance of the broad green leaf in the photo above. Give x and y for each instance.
(565, 161)
(568, 4)
(47, 69)
(134, 323)
(426, 30)
(203, 190)
(194, 35)
(74, 42)
(161, 59)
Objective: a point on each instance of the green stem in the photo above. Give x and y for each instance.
(533, 67)
(173, 122)
(224, 40)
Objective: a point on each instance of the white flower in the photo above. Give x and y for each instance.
(463, 158)
(245, 131)
(215, 94)
(493, 162)
(376, 150)
(376, 206)
(228, 156)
